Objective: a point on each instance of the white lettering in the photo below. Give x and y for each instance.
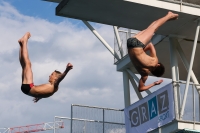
(163, 102)
(144, 113)
(153, 110)
(134, 123)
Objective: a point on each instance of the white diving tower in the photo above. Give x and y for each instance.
(176, 43)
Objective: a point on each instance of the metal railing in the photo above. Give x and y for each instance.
(192, 104)
(92, 119)
(185, 2)
(192, 3)
(124, 34)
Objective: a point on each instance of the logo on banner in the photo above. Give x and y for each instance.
(157, 106)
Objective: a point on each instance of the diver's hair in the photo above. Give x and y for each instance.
(57, 72)
(158, 71)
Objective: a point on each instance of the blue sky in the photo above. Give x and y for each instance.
(37, 8)
(55, 41)
(41, 9)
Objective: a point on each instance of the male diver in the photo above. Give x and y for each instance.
(144, 63)
(27, 87)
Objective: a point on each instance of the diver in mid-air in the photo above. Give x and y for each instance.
(27, 87)
(144, 63)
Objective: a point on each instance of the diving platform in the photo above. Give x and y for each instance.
(176, 43)
(133, 14)
(137, 15)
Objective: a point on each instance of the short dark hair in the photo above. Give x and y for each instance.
(159, 70)
(58, 72)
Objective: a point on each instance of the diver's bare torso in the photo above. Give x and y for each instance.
(141, 61)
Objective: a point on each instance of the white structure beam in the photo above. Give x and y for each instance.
(101, 39)
(127, 100)
(137, 79)
(118, 40)
(186, 64)
(135, 88)
(190, 69)
(175, 75)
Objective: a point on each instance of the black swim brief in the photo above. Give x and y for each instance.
(134, 43)
(26, 88)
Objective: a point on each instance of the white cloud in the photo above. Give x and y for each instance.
(93, 81)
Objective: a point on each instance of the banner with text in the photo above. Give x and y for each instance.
(151, 112)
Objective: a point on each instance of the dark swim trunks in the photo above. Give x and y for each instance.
(26, 88)
(134, 43)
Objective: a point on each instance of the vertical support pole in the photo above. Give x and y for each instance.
(103, 119)
(159, 129)
(118, 40)
(175, 43)
(181, 6)
(135, 87)
(127, 100)
(193, 106)
(129, 33)
(54, 129)
(199, 108)
(175, 75)
(190, 68)
(71, 117)
(101, 39)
